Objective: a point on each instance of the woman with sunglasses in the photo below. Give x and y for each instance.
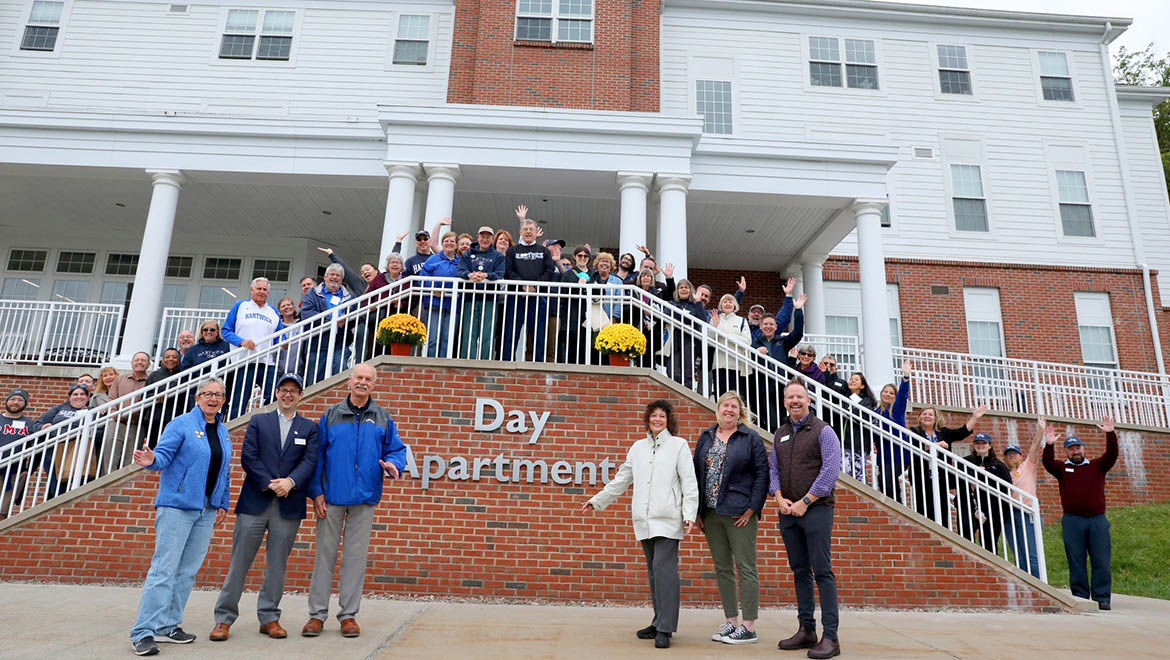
(574, 308)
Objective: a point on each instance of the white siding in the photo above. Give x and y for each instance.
(1006, 116)
(134, 56)
(1149, 190)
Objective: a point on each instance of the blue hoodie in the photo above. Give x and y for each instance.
(184, 457)
(438, 265)
(349, 446)
(318, 301)
(488, 261)
(892, 454)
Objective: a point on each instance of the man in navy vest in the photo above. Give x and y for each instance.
(279, 458)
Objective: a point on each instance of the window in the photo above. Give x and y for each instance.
(1095, 323)
(554, 20)
(222, 268)
(843, 315)
(1055, 79)
(984, 323)
(27, 261)
(180, 266)
(713, 102)
(886, 222)
(44, 23)
(216, 297)
(276, 270)
(412, 42)
(75, 262)
(1076, 214)
(20, 288)
(275, 35)
(860, 63)
(970, 205)
(954, 75)
(73, 291)
(121, 264)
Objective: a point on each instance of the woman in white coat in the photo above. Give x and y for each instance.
(726, 376)
(664, 506)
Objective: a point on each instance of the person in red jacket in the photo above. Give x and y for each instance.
(1084, 526)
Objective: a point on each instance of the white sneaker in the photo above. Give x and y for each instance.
(740, 635)
(724, 630)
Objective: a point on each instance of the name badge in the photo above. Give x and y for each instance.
(785, 438)
(1069, 470)
(18, 424)
(298, 441)
(333, 300)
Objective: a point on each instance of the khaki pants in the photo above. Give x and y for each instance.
(734, 545)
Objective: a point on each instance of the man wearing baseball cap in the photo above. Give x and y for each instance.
(14, 426)
(279, 457)
(1084, 526)
(481, 264)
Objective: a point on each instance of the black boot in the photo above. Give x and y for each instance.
(662, 640)
(647, 633)
(803, 639)
(826, 648)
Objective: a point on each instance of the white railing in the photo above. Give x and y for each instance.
(536, 322)
(842, 347)
(58, 333)
(175, 319)
(1040, 388)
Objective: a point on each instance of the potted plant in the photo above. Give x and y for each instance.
(401, 332)
(621, 342)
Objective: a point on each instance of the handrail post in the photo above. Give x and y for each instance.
(704, 366)
(333, 320)
(1038, 534)
(1115, 397)
(1041, 409)
(81, 452)
(451, 315)
(935, 483)
(45, 334)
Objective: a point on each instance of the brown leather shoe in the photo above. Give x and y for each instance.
(219, 633)
(273, 630)
(312, 628)
(349, 628)
(803, 639)
(826, 648)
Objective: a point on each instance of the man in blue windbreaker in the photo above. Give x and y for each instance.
(357, 443)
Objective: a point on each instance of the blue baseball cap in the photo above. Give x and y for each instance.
(1015, 448)
(1073, 441)
(294, 378)
(982, 437)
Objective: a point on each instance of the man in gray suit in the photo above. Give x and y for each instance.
(279, 457)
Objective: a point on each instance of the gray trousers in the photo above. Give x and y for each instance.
(246, 537)
(355, 521)
(662, 566)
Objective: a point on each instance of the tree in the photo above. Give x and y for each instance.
(1144, 67)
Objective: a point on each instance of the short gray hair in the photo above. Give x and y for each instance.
(260, 279)
(210, 380)
(391, 257)
(527, 221)
(335, 268)
(806, 348)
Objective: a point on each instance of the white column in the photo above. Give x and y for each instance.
(672, 222)
(875, 315)
(399, 206)
(633, 187)
(152, 265)
(814, 287)
(440, 193)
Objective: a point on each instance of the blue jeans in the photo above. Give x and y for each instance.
(180, 543)
(1024, 533)
(1088, 535)
(244, 380)
(529, 311)
(438, 322)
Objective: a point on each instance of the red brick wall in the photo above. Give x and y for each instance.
(482, 538)
(44, 391)
(619, 71)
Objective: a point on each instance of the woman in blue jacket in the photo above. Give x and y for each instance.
(438, 314)
(892, 458)
(194, 455)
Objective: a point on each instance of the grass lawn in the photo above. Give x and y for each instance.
(1141, 551)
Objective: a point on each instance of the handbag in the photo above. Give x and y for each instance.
(597, 318)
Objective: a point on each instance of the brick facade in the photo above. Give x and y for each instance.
(618, 71)
(528, 541)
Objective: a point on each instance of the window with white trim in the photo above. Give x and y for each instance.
(20, 288)
(1055, 78)
(984, 321)
(216, 297)
(1076, 213)
(843, 313)
(954, 73)
(554, 20)
(968, 200)
(258, 34)
(179, 266)
(72, 291)
(857, 70)
(713, 102)
(121, 263)
(43, 27)
(886, 221)
(75, 262)
(412, 41)
(274, 270)
(1095, 324)
(222, 268)
(27, 261)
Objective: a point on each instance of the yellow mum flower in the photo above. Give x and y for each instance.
(402, 329)
(621, 339)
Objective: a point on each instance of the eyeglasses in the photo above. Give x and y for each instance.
(207, 330)
(581, 256)
(287, 390)
(828, 364)
(811, 355)
(212, 395)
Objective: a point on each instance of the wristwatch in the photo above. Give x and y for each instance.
(807, 502)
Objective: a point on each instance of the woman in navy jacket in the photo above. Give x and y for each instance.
(892, 458)
(731, 466)
(194, 455)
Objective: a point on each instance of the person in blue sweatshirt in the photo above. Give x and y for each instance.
(527, 260)
(481, 264)
(322, 301)
(437, 306)
(891, 457)
(194, 456)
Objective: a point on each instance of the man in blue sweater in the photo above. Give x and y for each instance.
(357, 444)
(481, 264)
(526, 260)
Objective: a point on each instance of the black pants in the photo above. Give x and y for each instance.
(662, 568)
(1088, 535)
(990, 528)
(807, 541)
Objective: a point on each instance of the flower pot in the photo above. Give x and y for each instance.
(400, 349)
(616, 360)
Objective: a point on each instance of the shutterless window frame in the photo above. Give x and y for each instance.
(284, 266)
(120, 261)
(1038, 60)
(1083, 299)
(19, 45)
(711, 115)
(76, 262)
(258, 33)
(555, 15)
(955, 196)
(1070, 204)
(426, 41)
(177, 264)
(946, 64)
(207, 264)
(842, 62)
(33, 255)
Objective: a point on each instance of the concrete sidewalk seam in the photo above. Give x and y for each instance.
(398, 631)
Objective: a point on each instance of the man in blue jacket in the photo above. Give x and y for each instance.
(357, 444)
(279, 457)
(323, 301)
(482, 263)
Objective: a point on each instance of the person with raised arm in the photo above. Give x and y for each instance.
(528, 261)
(194, 458)
(1023, 538)
(930, 426)
(891, 457)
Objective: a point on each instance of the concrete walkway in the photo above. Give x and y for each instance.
(58, 621)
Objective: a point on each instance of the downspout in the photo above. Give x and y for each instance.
(1130, 210)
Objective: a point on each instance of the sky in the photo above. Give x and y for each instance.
(1151, 18)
